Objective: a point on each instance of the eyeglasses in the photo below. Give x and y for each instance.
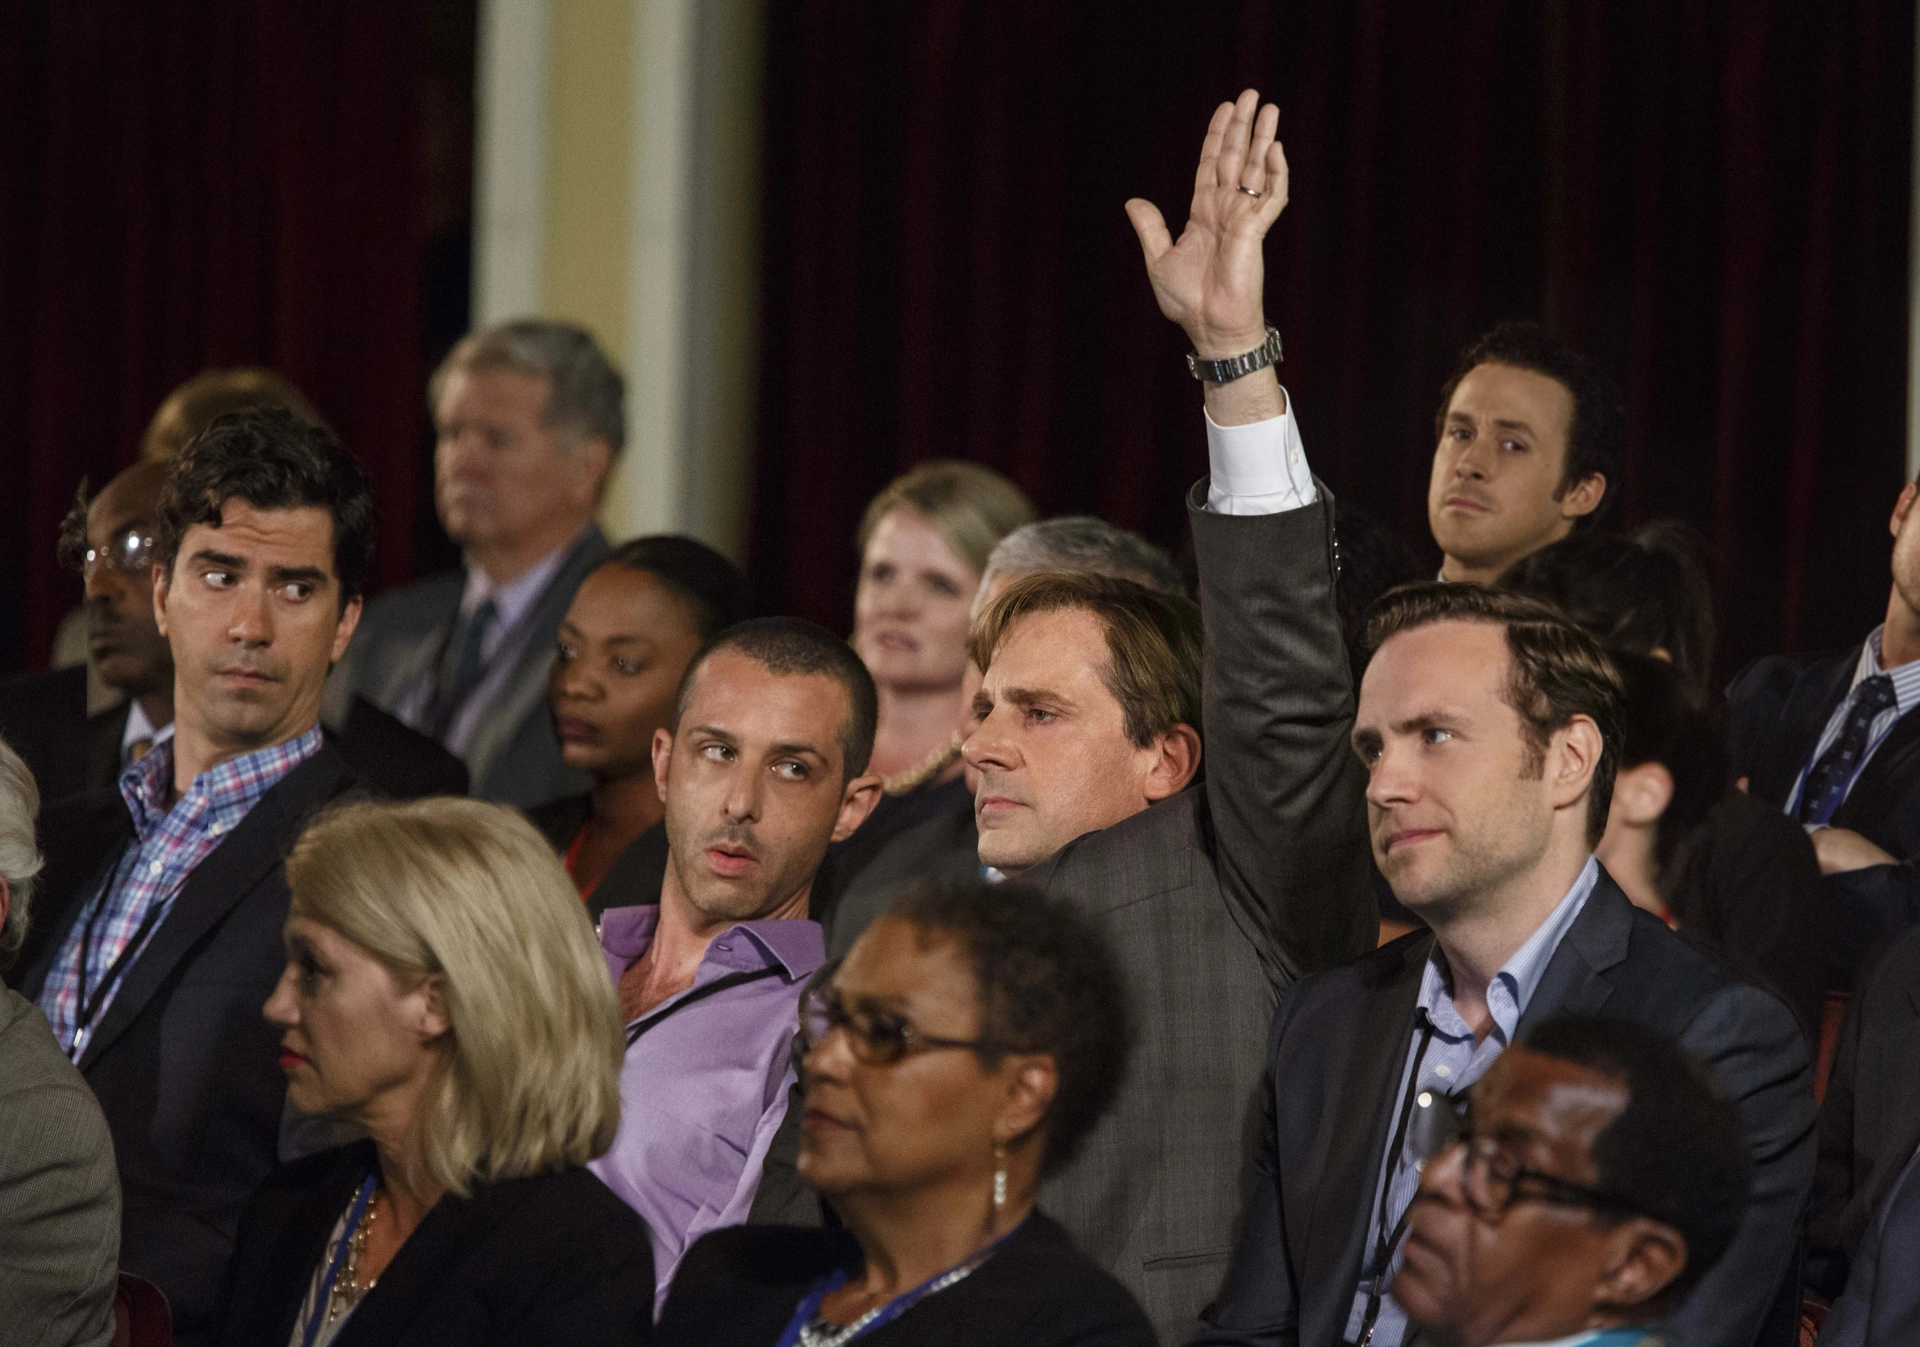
(1493, 1180)
(130, 553)
(876, 1037)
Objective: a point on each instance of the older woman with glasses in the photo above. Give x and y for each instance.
(444, 994)
(961, 1052)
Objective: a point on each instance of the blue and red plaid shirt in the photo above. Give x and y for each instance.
(169, 844)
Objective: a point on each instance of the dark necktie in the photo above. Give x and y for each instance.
(1826, 785)
(458, 679)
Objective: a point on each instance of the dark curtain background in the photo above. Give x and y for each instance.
(196, 183)
(1711, 197)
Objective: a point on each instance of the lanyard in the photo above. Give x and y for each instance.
(809, 1306)
(325, 1293)
(83, 1010)
(720, 984)
(1390, 1238)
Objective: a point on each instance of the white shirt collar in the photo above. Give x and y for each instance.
(140, 727)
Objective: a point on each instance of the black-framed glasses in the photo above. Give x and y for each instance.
(877, 1037)
(1494, 1181)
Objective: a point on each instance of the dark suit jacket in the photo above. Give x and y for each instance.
(1881, 1305)
(943, 848)
(1338, 1053)
(1214, 902)
(513, 756)
(1870, 1118)
(43, 718)
(739, 1287)
(636, 874)
(1776, 710)
(185, 1068)
(552, 1259)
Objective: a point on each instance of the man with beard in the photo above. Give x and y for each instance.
(159, 931)
(529, 421)
(764, 766)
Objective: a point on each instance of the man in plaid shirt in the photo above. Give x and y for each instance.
(160, 937)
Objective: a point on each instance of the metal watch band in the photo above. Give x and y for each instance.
(1226, 371)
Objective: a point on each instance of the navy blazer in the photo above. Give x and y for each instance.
(186, 1069)
(1776, 710)
(1338, 1053)
(555, 1258)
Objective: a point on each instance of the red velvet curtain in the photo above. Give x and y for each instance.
(1710, 197)
(196, 183)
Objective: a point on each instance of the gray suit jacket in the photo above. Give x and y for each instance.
(1215, 901)
(513, 757)
(59, 1194)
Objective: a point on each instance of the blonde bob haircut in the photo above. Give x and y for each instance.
(469, 892)
(972, 508)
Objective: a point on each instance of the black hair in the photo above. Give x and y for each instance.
(1048, 983)
(272, 460)
(1597, 437)
(1665, 719)
(1677, 1151)
(715, 593)
(795, 646)
(1637, 592)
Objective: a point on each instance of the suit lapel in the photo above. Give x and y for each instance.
(1574, 977)
(526, 687)
(1874, 792)
(97, 839)
(1808, 708)
(228, 875)
(104, 733)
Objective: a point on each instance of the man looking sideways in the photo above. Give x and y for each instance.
(764, 765)
(1601, 1175)
(164, 900)
(1215, 896)
(1531, 435)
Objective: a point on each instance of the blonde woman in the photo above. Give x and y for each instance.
(444, 993)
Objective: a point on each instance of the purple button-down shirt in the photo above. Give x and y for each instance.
(704, 1090)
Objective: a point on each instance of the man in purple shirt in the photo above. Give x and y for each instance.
(764, 766)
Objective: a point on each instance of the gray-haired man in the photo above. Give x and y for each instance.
(59, 1194)
(529, 420)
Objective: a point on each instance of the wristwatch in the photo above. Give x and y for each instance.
(1226, 371)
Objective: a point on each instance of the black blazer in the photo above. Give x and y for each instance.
(1870, 1119)
(943, 848)
(739, 1287)
(1776, 710)
(43, 717)
(185, 1068)
(1338, 1054)
(552, 1259)
(635, 876)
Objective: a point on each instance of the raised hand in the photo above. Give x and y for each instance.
(1209, 281)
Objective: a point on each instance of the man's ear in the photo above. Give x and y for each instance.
(162, 578)
(1643, 1258)
(856, 802)
(592, 459)
(1572, 758)
(1177, 758)
(1584, 496)
(1644, 792)
(662, 755)
(1902, 508)
(344, 629)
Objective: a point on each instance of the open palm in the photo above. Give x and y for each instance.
(1210, 280)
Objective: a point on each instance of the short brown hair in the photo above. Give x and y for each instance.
(972, 508)
(1558, 671)
(1154, 642)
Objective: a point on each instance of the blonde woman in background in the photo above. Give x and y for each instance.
(924, 543)
(444, 993)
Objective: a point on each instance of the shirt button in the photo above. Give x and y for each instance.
(1443, 1071)
(216, 828)
(154, 867)
(723, 946)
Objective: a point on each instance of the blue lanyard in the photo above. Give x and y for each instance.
(354, 1213)
(809, 1305)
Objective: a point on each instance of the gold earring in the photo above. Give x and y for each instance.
(999, 1176)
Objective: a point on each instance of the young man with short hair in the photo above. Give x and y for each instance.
(164, 901)
(765, 765)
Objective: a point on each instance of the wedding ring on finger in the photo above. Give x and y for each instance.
(1250, 192)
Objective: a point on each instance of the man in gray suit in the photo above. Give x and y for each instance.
(59, 1194)
(529, 418)
(1215, 896)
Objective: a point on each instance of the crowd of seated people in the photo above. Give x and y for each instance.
(1304, 948)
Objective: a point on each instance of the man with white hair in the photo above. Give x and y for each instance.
(59, 1194)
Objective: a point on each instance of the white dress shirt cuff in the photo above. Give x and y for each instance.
(1259, 468)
